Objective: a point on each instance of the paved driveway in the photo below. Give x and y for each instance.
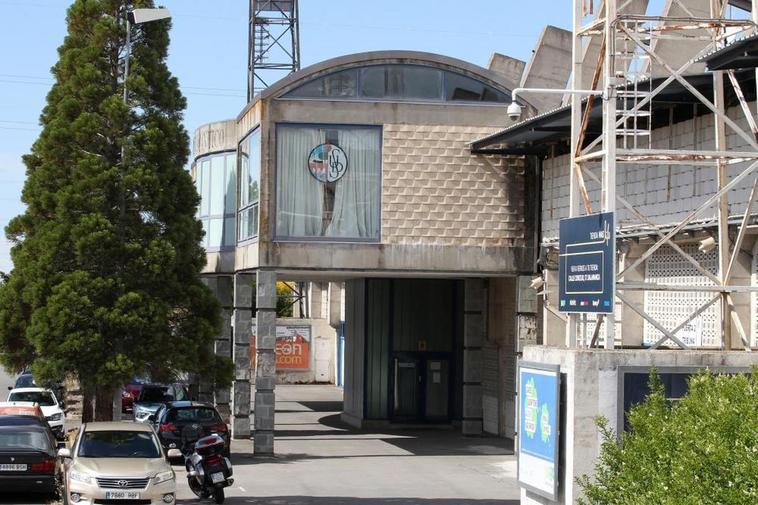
(321, 461)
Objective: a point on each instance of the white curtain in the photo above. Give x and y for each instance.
(356, 197)
(299, 196)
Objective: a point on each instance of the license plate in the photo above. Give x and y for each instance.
(12, 468)
(217, 477)
(121, 495)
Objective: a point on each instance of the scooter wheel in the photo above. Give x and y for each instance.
(218, 495)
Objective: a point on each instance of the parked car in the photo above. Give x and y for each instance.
(26, 380)
(129, 395)
(47, 401)
(152, 396)
(28, 460)
(27, 409)
(178, 423)
(118, 462)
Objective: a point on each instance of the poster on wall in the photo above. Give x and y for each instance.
(538, 423)
(293, 347)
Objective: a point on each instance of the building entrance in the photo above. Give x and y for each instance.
(421, 387)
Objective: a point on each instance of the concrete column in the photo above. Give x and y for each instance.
(265, 370)
(223, 287)
(243, 315)
(473, 340)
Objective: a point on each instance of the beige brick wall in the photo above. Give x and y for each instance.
(436, 192)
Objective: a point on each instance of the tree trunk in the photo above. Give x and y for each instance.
(88, 411)
(103, 403)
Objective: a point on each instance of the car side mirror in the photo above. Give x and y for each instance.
(174, 453)
(151, 418)
(64, 453)
(10, 388)
(62, 445)
(62, 405)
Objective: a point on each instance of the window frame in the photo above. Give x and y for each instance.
(359, 87)
(274, 198)
(238, 212)
(206, 219)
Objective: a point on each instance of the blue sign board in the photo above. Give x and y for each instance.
(538, 428)
(587, 263)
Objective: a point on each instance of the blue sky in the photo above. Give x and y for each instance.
(209, 45)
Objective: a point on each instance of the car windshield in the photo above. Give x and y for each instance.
(44, 398)
(153, 395)
(193, 415)
(14, 439)
(118, 444)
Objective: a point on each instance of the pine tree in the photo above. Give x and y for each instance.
(107, 255)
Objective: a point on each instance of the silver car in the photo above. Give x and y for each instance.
(113, 462)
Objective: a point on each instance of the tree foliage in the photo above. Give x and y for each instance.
(106, 256)
(703, 449)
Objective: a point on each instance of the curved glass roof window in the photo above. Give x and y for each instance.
(399, 83)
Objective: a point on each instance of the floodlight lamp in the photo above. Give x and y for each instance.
(708, 244)
(537, 283)
(139, 16)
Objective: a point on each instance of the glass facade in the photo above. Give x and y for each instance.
(328, 182)
(398, 83)
(250, 175)
(216, 179)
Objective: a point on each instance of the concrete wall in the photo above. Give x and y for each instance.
(591, 379)
(435, 194)
(355, 341)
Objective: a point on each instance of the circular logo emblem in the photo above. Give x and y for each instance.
(327, 163)
(123, 483)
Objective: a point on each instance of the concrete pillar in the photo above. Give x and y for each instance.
(223, 287)
(243, 315)
(473, 339)
(265, 370)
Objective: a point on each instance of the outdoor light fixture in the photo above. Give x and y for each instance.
(537, 283)
(707, 245)
(514, 109)
(139, 16)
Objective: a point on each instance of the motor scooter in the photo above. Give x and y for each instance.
(208, 470)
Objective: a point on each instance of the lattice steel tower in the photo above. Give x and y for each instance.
(273, 43)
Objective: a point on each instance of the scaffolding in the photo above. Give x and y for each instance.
(273, 43)
(624, 71)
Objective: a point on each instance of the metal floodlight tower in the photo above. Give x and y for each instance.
(627, 45)
(273, 43)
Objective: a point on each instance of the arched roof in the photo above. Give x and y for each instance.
(325, 67)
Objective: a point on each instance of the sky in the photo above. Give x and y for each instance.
(209, 46)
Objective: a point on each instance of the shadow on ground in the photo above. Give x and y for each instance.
(341, 500)
(28, 499)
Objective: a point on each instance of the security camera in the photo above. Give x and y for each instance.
(514, 111)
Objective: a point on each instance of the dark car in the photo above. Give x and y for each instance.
(152, 396)
(178, 423)
(28, 459)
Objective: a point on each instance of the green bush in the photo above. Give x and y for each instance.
(702, 449)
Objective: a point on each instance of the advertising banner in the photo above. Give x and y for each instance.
(538, 426)
(293, 347)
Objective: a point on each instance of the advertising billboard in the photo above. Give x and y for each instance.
(293, 347)
(538, 428)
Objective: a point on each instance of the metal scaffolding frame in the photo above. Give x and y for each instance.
(273, 43)
(623, 72)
